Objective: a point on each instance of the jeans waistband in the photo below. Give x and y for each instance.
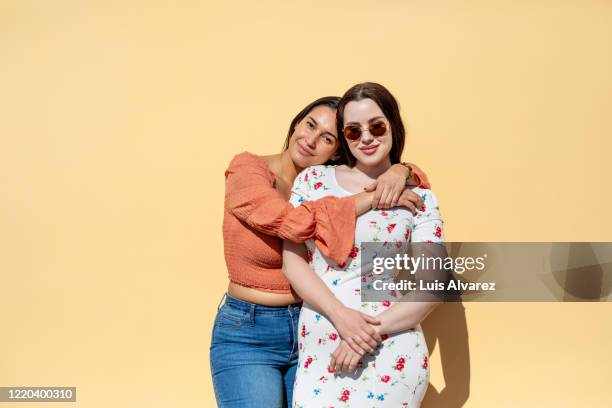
(255, 308)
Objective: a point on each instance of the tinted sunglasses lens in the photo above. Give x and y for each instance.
(378, 129)
(352, 132)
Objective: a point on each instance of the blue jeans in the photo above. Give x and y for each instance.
(254, 354)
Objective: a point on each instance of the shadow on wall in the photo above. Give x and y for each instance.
(446, 326)
(578, 270)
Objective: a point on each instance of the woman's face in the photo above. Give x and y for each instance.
(315, 139)
(368, 149)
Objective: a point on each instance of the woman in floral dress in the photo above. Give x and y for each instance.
(397, 374)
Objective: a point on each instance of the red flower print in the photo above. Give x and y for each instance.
(425, 362)
(398, 244)
(306, 177)
(344, 398)
(303, 330)
(407, 234)
(300, 345)
(308, 362)
(386, 303)
(342, 265)
(346, 392)
(385, 378)
(330, 370)
(438, 231)
(318, 185)
(314, 172)
(320, 341)
(393, 293)
(423, 209)
(309, 255)
(401, 360)
(390, 227)
(399, 367)
(384, 336)
(354, 252)
(333, 336)
(384, 213)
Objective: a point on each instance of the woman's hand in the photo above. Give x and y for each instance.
(355, 328)
(344, 358)
(389, 186)
(410, 200)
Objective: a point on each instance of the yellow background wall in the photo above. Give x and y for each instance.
(118, 119)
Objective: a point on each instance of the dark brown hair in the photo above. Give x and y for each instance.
(329, 101)
(387, 103)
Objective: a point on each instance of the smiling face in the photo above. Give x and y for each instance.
(314, 140)
(368, 149)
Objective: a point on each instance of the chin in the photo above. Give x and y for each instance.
(301, 161)
(369, 160)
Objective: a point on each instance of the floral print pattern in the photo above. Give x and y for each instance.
(397, 374)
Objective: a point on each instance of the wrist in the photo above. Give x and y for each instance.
(334, 310)
(413, 178)
(381, 328)
(405, 170)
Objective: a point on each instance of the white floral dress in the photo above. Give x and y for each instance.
(398, 374)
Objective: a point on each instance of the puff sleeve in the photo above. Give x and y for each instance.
(251, 197)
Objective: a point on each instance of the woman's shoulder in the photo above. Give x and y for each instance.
(247, 163)
(314, 172)
(247, 158)
(427, 195)
(314, 180)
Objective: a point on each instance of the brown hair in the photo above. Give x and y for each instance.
(387, 103)
(329, 101)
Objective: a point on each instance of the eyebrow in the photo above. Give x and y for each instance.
(369, 120)
(328, 133)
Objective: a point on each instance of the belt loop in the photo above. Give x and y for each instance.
(222, 299)
(252, 314)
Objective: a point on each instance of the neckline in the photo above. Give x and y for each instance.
(333, 173)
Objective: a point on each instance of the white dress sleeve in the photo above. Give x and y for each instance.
(428, 225)
(300, 189)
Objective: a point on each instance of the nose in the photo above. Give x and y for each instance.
(311, 140)
(366, 136)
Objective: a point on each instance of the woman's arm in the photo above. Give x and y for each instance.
(251, 197)
(389, 186)
(427, 238)
(404, 315)
(355, 327)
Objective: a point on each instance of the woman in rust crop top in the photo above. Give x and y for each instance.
(253, 351)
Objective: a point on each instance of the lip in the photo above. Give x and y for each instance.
(303, 151)
(369, 150)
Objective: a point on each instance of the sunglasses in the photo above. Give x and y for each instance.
(376, 129)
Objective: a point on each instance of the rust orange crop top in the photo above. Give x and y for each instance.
(257, 218)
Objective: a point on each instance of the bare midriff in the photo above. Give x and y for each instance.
(259, 297)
